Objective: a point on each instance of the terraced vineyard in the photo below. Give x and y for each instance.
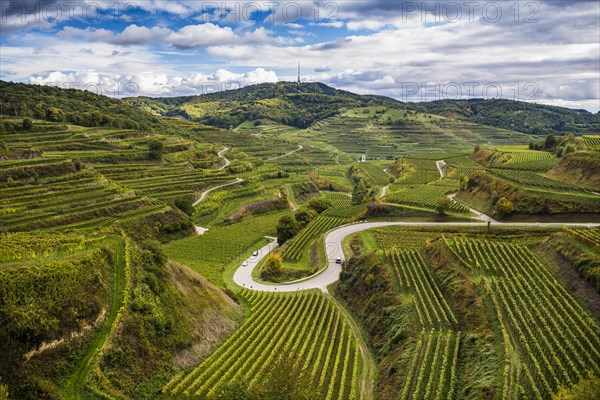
(338, 199)
(549, 339)
(532, 179)
(521, 157)
(87, 199)
(375, 173)
(293, 250)
(426, 196)
(305, 327)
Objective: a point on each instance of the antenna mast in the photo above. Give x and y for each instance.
(298, 72)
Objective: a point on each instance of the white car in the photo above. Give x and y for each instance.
(245, 263)
(338, 260)
(255, 254)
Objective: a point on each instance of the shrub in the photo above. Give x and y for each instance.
(504, 207)
(272, 267)
(442, 206)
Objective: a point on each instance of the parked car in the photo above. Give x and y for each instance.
(338, 260)
(245, 263)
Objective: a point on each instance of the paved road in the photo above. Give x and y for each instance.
(206, 192)
(384, 191)
(439, 164)
(227, 162)
(200, 230)
(243, 275)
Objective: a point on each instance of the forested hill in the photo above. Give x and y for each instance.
(287, 103)
(537, 119)
(78, 107)
(302, 105)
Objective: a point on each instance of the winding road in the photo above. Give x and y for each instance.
(227, 162)
(334, 238)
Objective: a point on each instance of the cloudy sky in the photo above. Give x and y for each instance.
(544, 51)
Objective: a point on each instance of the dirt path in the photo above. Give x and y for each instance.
(286, 154)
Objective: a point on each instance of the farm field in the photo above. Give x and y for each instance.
(546, 338)
(123, 234)
(305, 328)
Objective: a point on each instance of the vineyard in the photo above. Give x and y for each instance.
(293, 250)
(306, 327)
(426, 196)
(549, 339)
(434, 364)
(338, 199)
(522, 157)
(590, 237)
(402, 239)
(593, 142)
(375, 173)
(532, 179)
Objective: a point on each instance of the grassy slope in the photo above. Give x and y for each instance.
(75, 386)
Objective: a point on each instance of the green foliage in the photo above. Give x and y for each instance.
(283, 102)
(55, 114)
(287, 228)
(27, 124)
(3, 391)
(442, 205)
(320, 205)
(272, 267)
(586, 389)
(504, 207)
(49, 288)
(156, 149)
(305, 215)
(536, 119)
(185, 204)
(75, 106)
(293, 346)
(360, 193)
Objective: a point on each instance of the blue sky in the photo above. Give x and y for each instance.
(544, 51)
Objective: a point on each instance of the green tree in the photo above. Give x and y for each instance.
(39, 111)
(27, 124)
(96, 118)
(504, 207)
(185, 204)
(442, 206)
(55, 114)
(272, 268)
(359, 194)
(287, 228)
(24, 109)
(156, 149)
(550, 141)
(319, 205)
(304, 216)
